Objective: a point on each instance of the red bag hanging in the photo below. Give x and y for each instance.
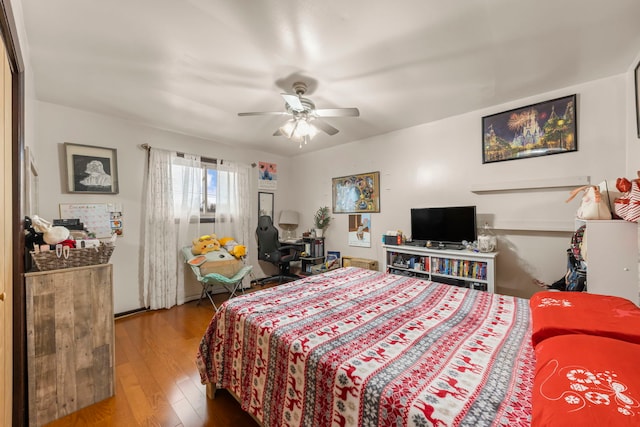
(627, 206)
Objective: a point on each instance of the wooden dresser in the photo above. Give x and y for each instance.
(70, 340)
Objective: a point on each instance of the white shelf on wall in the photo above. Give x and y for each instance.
(534, 225)
(533, 184)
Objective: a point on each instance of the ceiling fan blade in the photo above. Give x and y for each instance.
(325, 127)
(293, 101)
(264, 113)
(337, 112)
(278, 132)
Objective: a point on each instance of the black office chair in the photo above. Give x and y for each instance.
(270, 250)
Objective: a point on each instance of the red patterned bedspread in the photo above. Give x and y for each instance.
(363, 348)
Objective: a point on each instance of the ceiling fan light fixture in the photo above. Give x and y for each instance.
(305, 128)
(301, 139)
(306, 121)
(299, 129)
(302, 128)
(288, 128)
(313, 131)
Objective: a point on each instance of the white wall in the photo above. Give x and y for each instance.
(436, 164)
(57, 124)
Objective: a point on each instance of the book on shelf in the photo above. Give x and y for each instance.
(460, 268)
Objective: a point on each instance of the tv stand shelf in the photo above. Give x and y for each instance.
(476, 270)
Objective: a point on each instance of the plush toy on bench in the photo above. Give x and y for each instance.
(233, 247)
(210, 257)
(220, 262)
(204, 244)
(217, 267)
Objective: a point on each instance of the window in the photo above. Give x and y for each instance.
(210, 183)
(204, 190)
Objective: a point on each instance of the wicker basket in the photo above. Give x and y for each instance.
(80, 257)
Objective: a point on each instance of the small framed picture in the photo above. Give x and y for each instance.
(91, 169)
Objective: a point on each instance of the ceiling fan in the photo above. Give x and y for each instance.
(306, 119)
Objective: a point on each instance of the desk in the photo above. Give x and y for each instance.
(298, 244)
(295, 242)
(314, 248)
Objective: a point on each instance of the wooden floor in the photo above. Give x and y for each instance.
(157, 383)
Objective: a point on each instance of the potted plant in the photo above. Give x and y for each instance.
(321, 220)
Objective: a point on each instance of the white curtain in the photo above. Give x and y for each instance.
(233, 215)
(172, 217)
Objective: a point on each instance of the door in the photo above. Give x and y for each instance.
(6, 244)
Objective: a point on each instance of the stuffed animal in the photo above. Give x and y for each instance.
(32, 237)
(204, 244)
(52, 235)
(69, 242)
(233, 247)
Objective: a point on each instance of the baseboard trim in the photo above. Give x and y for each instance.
(130, 312)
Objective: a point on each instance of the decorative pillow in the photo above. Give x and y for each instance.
(585, 380)
(561, 313)
(220, 262)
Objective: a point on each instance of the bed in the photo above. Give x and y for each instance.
(364, 348)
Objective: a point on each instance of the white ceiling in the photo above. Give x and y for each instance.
(190, 66)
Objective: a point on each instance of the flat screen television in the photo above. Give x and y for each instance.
(448, 225)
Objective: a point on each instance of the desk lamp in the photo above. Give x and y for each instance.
(288, 222)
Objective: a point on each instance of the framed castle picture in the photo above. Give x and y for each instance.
(540, 129)
(91, 169)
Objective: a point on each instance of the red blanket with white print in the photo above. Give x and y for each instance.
(586, 380)
(563, 313)
(363, 348)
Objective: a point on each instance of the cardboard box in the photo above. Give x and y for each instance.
(369, 264)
